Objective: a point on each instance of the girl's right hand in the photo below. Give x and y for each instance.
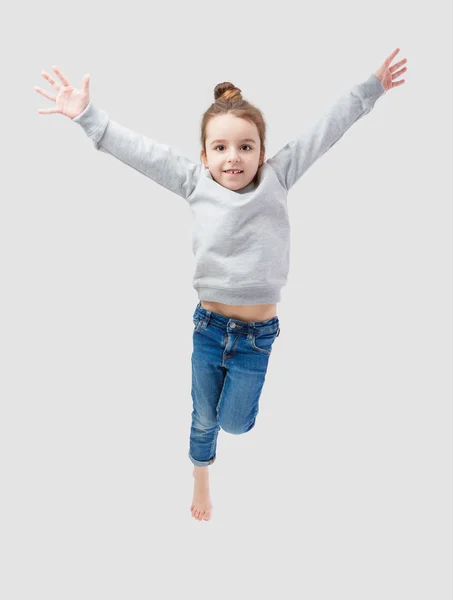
(69, 101)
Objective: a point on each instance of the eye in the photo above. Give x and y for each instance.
(244, 146)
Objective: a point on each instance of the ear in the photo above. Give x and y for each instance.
(203, 158)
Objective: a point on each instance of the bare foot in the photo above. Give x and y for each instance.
(201, 504)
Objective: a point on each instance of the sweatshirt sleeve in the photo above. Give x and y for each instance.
(291, 161)
(161, 163)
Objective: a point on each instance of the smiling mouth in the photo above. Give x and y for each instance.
(232, 173)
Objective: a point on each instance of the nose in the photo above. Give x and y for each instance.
(233, 156)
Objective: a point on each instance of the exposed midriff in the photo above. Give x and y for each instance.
(248, 313)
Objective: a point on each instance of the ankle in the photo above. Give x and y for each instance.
(200, 471)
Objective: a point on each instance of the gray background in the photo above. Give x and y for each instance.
(342, 490)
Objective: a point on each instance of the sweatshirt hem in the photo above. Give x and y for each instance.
(240, 296)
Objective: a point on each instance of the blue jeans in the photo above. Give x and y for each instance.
(229, 365)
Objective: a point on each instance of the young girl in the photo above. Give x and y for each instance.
(241, 237)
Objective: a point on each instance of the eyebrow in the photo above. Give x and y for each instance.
(243, 140)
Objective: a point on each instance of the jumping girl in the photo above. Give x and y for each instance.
(241, 237)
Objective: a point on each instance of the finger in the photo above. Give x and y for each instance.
(64, 79)
(395, 66)
(392, 56)
(44, 93)
(50, 80)
(400, 72)
(396, 83)
(86, 82)
(48, 111)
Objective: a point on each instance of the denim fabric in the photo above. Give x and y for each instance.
(229, 365)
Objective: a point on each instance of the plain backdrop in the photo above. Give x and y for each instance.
(343, 489)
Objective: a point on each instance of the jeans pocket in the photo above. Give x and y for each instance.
(262, 342)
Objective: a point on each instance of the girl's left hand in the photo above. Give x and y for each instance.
(386, 74)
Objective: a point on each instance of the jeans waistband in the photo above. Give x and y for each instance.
(239, 326)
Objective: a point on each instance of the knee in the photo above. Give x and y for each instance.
(236, 428)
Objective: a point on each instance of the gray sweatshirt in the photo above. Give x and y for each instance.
(241, 239)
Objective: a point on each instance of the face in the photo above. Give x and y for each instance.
(232, 143)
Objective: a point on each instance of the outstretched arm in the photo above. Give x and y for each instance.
(291, 161)
(163, 164)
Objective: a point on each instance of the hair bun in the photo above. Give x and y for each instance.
(226, 91)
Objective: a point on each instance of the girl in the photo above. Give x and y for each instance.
(241, 237)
